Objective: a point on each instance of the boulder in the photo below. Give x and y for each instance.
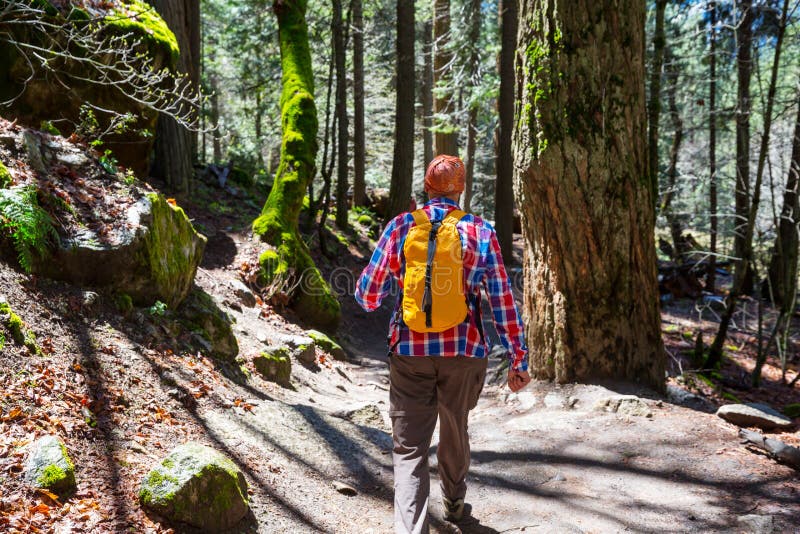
(302, 348)
(156, 258)
(243, 293)
(327, 344)
(275, 365)
(756, 524)
(623, 404)
(197, 485)
(49, 466)
(366, 415)
(378, 201)
(200, 314)
(754, 414)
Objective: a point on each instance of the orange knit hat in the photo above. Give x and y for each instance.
(445, 175)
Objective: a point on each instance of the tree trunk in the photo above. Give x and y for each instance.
(359, 142)
(342, 185)
(175, 147)
(474, 29)
(711, 273)
(426, 94)
(403, 162)
(591, 298)
(672, 171)
(446, 131)
(744, 67)
(504, 186)
(290, 261)
(744, 268)
(783, 264)
(654, 105)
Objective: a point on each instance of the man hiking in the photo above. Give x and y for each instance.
(441, 257)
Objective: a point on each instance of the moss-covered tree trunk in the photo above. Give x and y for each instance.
(591, 298)
(504, 186)
(289, 260)
(359, 142)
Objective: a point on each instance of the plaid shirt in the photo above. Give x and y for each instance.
(483, 267)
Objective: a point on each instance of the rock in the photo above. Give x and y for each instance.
(261, 336)
(197, 485)
(244, 293)
(49, 466)
(559, 477)
(73, 158)
(754, 414)
(678, 395)
(344, 489)
(89, 298)
(756, 524)
(792, 410)
(327, 344)
(155, 259)
(624, 404)
(303, 348)
(34, 152)
(367, 415)
(275, 365)
(200, 314)
(378, 201)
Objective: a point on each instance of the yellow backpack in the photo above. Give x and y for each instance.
(433, 285)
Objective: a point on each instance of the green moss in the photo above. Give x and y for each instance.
(49, 127)
(731, 397)
(364, 220)
(5, 176)
(56, 478)
(157, 481)
(123, 302)
(275, 365)
(792, 410)
(15, 326)
(143, 22)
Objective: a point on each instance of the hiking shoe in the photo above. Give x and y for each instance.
(453, 510)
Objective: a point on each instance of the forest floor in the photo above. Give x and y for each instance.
(543, 460)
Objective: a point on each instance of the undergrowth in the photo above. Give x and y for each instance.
(28, 225)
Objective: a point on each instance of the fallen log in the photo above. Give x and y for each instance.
(777, 450)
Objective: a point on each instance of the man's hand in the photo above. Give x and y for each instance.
(518, 380)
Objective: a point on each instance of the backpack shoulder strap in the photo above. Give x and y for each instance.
(420, 217)
(456, 214)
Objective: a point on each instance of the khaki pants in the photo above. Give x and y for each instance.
(422, 387)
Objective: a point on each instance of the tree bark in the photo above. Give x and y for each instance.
(711, 273)
(504, 186)
(474, 29)
(591, 297)
(277, 225)
(672, 171)
(342, 185)
(403, 162)
(446, 131)
(175, 147)
(783, 263)
(744, 67)
(426, 94)
(654, 104)
(359, 142)
(744, 265)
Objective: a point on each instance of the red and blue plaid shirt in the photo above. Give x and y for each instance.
(483, 268)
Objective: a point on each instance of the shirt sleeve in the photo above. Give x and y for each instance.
(504, 309)
(375, 281)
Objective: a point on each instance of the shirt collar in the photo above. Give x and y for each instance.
(442, 200)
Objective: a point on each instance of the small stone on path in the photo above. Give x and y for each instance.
(624, 404)
(49, 466)
(754, 414)
(344, 489)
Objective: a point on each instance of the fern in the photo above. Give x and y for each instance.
(29, 226)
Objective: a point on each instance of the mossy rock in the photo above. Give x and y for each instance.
(123, 302)
(16, 327)
(156, 259)
(201, 314)
(275, 365)
(327, 344)
(196, 485)
(5, 176)
(365, 220)
(42, 96)
(49, 466)
(792, 410)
